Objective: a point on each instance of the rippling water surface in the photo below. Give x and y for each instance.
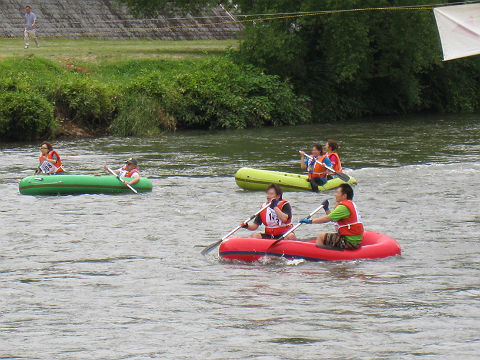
(121, 277)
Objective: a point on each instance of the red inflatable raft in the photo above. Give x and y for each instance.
(374, 246)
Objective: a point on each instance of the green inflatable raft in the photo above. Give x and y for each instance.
(78, 184)
(253, 179)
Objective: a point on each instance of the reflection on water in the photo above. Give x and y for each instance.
(108, 277)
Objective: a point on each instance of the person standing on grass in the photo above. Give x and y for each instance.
(30, 22)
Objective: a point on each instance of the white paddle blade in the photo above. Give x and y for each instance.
(246, 221)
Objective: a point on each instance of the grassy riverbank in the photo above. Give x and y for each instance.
(136, 87)
(95, 50)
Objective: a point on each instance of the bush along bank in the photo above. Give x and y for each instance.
(24, 113)
(141, 97)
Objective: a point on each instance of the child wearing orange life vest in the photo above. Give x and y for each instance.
(349, 224)
(50, 162)
(128, 171)
(277, 218)
(317, 173)
(332, 147)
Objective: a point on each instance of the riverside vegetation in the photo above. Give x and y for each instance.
(288, 71)
(141, 97)
(386, 60)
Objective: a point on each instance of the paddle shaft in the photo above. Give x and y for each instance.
(246, 221)
(296, 226)
(119, 178)
(342, 176)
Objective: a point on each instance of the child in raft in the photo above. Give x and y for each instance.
(128, 171)
(317, 173)
(50, 162)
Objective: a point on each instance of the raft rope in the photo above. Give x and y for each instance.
(256, 18)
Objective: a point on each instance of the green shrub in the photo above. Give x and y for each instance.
(84, 101)
(25, 116)
(459, 84)
(146, 97)
(139, 115)
(11, 84)
(31, 73)
(217, 93)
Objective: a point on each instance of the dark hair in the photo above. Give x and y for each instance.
(277, 188)
(28, 6)
(49, 146)
(319, 147)
(333, 145)
(347, 190)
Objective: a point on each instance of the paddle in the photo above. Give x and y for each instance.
(120, 179)
(295, 227)
(215, 244)
(341, 176)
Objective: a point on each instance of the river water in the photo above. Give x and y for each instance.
(121, 276)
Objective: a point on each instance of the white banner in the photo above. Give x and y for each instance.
(459, 29)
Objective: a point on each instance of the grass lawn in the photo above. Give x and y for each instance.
(87, 50)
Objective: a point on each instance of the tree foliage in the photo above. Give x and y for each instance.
(359, 63)
(356, 63)
(351, 64)
(24, 113)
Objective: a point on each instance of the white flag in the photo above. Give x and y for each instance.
(459, 29)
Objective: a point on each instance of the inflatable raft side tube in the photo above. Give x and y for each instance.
(77, 184)
(58, 185)
(279, 255)
(258, 180)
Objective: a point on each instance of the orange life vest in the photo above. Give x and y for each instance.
(128, 174)
(353, 224)
(315, 167)
(58, 163)
(338, 165)
(273, 225)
